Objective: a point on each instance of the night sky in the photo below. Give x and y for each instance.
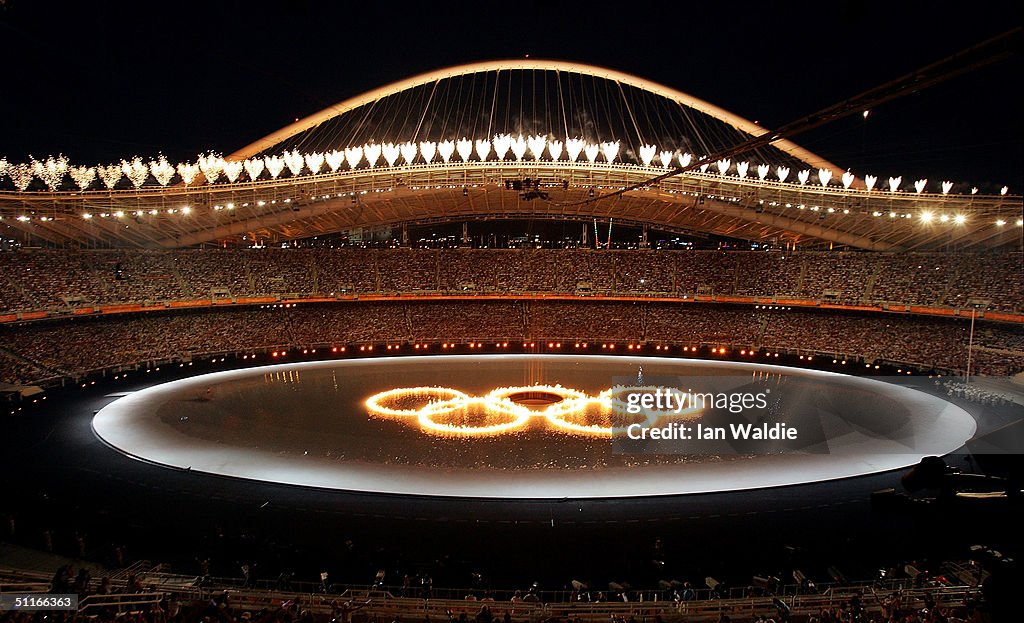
(99, 81)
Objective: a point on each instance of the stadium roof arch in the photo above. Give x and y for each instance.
(718, 201)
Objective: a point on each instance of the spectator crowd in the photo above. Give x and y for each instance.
(56, 280)
(32, 351)
(36, 279)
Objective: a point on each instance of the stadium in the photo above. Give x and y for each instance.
(438, 349)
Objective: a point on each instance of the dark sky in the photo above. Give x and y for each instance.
(100, 81)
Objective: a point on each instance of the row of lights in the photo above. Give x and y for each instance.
(184, 210)
(716, 350)
(53, 170)
(923, 217)
(719, 350)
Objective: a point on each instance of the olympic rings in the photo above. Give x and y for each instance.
(506, 409)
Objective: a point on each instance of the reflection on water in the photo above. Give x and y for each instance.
(322, 411)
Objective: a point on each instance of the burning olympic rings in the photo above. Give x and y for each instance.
(503, 410)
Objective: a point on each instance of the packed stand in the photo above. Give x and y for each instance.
(52, 279)
(74, 346)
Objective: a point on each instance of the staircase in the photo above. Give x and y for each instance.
(869, 284)
(10, 354)
(172, 267)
